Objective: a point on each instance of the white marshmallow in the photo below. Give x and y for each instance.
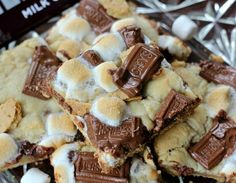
(8, 148)
(75, 28)
(184, 27)
(63, 167)
(109, 46)
(109, 110)
(174, 45)
(119, 24)
(59, 123)
(56, 141)
(103, 78)
(35, 175)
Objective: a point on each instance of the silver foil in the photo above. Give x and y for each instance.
(216, 20)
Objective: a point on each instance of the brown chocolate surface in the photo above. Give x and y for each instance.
(96, 15)
(217, 143)
(116, 140)
(174, 105)
(132, 35)
(87, 170)
(218, 73)
(31, 149)
(140, 65)
(44, 63)
(92, 57)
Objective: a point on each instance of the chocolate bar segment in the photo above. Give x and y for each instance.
(132, 35)
(218, 73)
(96, 15)
(174, 105)
(217, 143)
(92, 57)
(140, 65)
(87, 169)
(44, 64)
(116, 140)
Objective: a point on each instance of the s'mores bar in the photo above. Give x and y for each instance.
(76, 163)
(120, 90)
(203, 145)
(31, 125)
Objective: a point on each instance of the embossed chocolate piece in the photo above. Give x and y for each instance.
(44, 63)
(87, 169)
(218, 73)
(140, 65)
(117, 140)
(175, 105)
(96, 15)
(132, 35)
(92, 57)
(217, 143)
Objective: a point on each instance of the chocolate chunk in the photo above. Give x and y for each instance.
(175, 105)
(217, 143)
(37, 151)
(87, 169)
(92, 57)
(132, 35)
(116, 140)
(140, 65)
(30, 149)
(44, 63)
(96, 15)
(218, 73)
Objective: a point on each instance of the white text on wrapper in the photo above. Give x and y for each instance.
(35, 8)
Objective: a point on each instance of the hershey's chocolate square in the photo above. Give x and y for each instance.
(218, 73)
(174, 105)
(140, 65)
(87, 169)
(132, 35)
(44, 64)
(96, 15)
(117, 140)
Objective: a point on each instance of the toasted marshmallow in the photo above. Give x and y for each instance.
(68, 49)
(187, 31)
(56, 141)
(59, 123)
(142, 172)
(109, 41)
(35, 175)
(174, 45)
(119, 24)
(109, 110)
(73, 72)
(217, 99)
(103, 77)
(75, 28)
(8, 148)
(63, 167)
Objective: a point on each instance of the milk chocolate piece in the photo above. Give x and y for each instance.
(92, 57)
(44, 63)
(88, 170)
(96, 15)
(30, 149)
(218, 73)
(140, 65)
(174, 106)
(116, 140)
(217, 143)
(132, 35)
